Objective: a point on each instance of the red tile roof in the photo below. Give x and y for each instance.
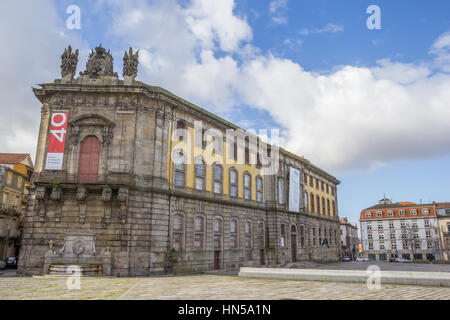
(12, 157)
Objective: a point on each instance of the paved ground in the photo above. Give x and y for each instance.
(205, 287)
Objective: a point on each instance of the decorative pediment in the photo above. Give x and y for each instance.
(91, 124)
(91, 120)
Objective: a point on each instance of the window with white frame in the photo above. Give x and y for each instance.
(380, 226)
(233, 183)
(368, 214)
(426, 223)
(199, 234)
(248, 234)
(217, 176)
(430, 244)
(379, 213)
(370, 246)
(200, 174)
(425, 211)
(417, 245)
(405, 245)
(369, 227)
(381, 236)
(414, 224)
(392, 236)
(391, 225)
(259, 189)
(234, 233)
(390, 213)
(217, 229)
(403, 224)
(394, 245)
(413, 212)
(401, 212)
(247, 186)
(428, 234)
(370, 237)
(381, 246)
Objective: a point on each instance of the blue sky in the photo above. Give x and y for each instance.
(370, 106)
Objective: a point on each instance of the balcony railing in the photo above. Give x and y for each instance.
(62, 177)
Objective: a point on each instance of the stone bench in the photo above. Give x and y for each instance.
(441, 279)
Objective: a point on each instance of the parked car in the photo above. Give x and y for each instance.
(11, 262)
(346, 259)
(403, 260)
(362, 259)
(2, 264)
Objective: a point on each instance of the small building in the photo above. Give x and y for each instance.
(349, 239)
(12, 186)
(443, 215)
(402, 229)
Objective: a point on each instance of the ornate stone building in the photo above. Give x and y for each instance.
(127, 184)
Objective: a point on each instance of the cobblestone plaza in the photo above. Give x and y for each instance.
(206, 287)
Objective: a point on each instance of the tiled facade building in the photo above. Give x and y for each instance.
(402, 229)
(138, 188)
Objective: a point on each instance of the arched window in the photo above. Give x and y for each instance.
(248, 234)
(323, 205)
(179, 174)
(178, 232)
(328, 207)
(88, 162)
(200, 173)
(313, 210)
(233, 183)
(318, 204)
(218, 176)
(302, 236)
(261, 234)
(234, 232)
(217, 230)
(259, 189)
(247, 186)
(199, 232)
(283, 235)
(280, 191)
(248, 239)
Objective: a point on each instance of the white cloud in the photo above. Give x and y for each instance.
(277, 9)
(330, 27)
(441, 48)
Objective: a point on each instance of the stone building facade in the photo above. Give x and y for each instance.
(134, 195)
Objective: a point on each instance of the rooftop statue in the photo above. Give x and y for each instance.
(100, 63)
(130, 63)
(69, 62)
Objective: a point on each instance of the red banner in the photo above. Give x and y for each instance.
(56, 141)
